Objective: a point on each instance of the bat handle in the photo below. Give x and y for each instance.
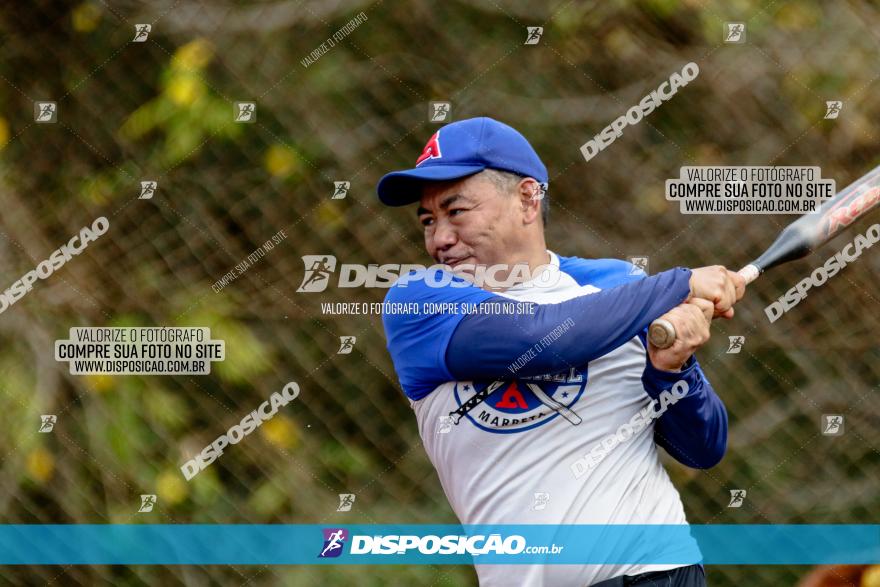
(661, 333)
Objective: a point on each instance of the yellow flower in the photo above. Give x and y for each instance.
(194, 55)
(330, 215)
(40, 464)
(279, 431)
(99, 383)
(171, 488)
(281, 160)
(86, 17)
(4, 132)
(871, 577)
(185, 89)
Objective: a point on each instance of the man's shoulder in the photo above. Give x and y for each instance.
(429, 294)
(408, 283)
(421, 311)
(601, 273)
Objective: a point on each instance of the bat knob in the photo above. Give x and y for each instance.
(661, 333)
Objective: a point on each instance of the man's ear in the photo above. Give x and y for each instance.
(530, 195)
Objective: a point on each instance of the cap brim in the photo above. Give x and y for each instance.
(400, 188)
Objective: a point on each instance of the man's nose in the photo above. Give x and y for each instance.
(444, 235)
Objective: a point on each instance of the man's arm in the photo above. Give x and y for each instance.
(484, 346)
(694, 429)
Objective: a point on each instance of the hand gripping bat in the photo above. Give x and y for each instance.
(800, 238)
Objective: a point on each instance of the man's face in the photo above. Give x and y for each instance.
(469, 221)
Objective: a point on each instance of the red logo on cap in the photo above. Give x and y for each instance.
(431, 150)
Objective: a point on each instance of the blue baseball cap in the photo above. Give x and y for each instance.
(460, 149)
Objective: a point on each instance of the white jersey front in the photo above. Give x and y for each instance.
(508, 459)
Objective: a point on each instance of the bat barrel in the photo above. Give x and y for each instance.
(796, 241)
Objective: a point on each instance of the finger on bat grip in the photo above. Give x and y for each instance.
(712, 283)
(739, 283)
(683, 319)
(705, 306)
(691, 326)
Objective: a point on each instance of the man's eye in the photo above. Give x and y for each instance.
(454, 210)
(427, 221)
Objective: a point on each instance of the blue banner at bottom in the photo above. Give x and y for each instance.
(371, 544)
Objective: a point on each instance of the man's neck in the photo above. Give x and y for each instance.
(535, 261)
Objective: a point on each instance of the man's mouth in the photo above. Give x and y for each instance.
(453, 261)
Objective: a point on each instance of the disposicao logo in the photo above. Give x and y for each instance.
(334, 542)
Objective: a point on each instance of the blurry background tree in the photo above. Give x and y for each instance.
(162, 110)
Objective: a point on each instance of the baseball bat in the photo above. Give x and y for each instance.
(800, 238)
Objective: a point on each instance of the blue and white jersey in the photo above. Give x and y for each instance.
(510, 405)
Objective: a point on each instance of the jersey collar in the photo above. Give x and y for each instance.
(547, 274)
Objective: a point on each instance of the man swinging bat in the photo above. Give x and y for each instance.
(501, 423)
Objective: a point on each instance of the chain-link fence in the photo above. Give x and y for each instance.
(164, 109)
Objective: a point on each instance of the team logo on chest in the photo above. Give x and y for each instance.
(515, 405)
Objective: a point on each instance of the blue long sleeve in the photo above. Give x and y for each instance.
(694, 429)
(484, 346)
